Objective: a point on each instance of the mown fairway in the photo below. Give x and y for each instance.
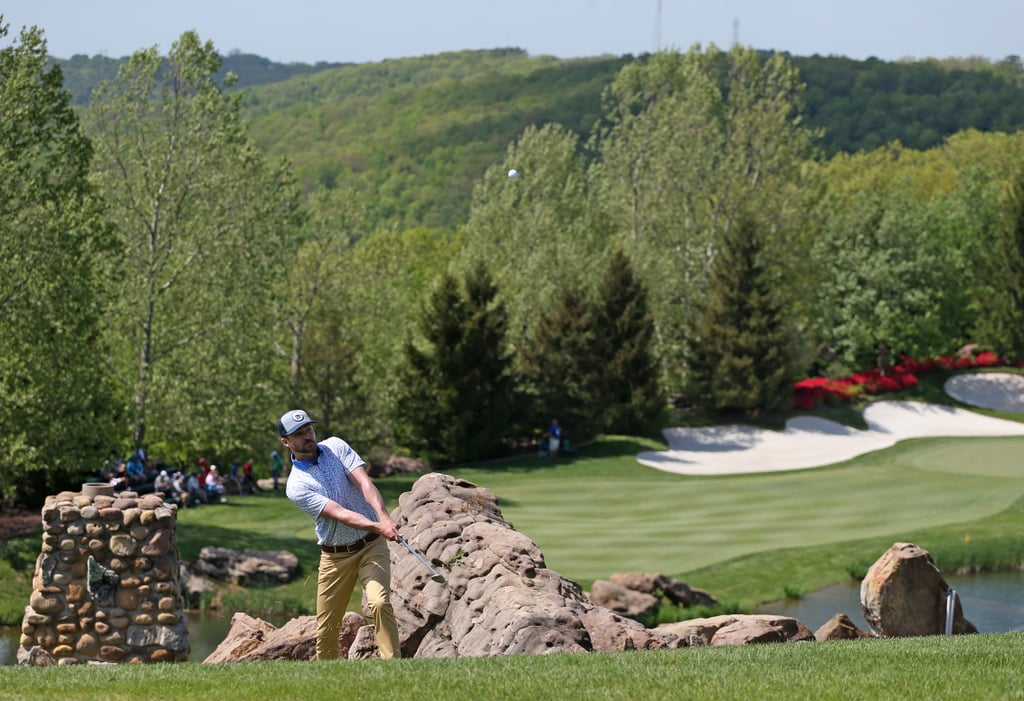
(604, 513)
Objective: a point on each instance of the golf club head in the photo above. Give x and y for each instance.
(438, 578)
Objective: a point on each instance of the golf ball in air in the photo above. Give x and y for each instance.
(513, 173)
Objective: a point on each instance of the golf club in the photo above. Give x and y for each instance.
(438, 577)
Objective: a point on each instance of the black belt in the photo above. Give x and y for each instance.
(351, 547)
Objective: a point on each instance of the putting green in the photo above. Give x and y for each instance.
(597, 516)
(994, 457)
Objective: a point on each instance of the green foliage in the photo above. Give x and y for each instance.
(890, 291)
(863, 105)
(55, 403)
(632, 400)
(200, 216)
(416, 133)
(562, 367)
(692, 139)
(313, 300)
(458, 401)
(739, 356)
(1000, 324)
(388, 275)
(535, 231)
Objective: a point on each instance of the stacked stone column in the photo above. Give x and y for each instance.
(107, 584)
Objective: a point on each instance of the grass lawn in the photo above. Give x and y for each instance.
(746, 539)
(603, 512)
(973, 667)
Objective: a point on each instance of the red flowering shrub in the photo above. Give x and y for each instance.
(813, 391)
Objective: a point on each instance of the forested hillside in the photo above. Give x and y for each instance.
(413, 135)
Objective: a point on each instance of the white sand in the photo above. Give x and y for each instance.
(809, 441)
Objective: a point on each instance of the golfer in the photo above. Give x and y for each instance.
(328, 481)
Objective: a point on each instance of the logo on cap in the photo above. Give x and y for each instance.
(293, 421)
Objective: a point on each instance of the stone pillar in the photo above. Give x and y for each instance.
(107, 584)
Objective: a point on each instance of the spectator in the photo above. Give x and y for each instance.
(180, 489)
(136, 470)
(162, 484)
(554, 438)
(215, 485)
(196, 490)
(235, 475)
(276, 465)
(249, 485)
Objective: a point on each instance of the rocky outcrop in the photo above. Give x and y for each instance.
(840, 627)
(640, 595)
(904, 594)
(733, 629)
(247, 567)
(499, 597)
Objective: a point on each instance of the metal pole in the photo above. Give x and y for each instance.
(950, 610)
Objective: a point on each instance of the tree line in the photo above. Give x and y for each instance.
(169, 284)
(414, 134)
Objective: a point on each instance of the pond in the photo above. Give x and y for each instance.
(994, 603)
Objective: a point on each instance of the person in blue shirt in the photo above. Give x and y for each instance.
(328, 481)
(554, 438)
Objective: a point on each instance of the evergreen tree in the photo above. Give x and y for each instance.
(457, 400)
(738, 341)
(633, 397)
(563, 368)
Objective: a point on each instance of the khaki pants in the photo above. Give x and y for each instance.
(337, 579)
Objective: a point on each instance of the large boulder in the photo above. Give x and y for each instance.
(904, 594)
(247, 567)
(499, 598)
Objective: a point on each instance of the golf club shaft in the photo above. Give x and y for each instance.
(438, 577)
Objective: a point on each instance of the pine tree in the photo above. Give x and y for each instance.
(632, 397)
(458, 397)
(738, 360)
(563, 368)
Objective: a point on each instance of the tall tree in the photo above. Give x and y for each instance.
(563, 367)
(739, 359)
(201, 216)
(457, 401)
(534, 231)
(633, 398)
(691, 140)
(55, 404)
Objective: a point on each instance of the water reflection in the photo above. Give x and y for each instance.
(994, 603)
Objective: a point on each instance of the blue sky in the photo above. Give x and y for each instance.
(371, 30)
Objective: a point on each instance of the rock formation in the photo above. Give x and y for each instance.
(904, 594)
(499, 597)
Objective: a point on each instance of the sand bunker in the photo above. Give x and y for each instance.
(809, 441)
